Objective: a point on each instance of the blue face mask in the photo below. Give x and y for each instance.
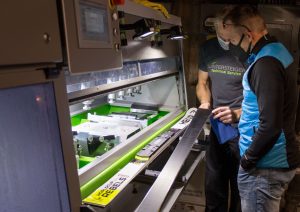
(224, 44)
(237, 51)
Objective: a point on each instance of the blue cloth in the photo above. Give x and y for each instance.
(224, 132)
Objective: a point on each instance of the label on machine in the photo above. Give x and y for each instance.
(109, 190)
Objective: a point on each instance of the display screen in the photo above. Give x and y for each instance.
(94, 22)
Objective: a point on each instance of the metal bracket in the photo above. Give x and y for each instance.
(87, 208)
(52, 73)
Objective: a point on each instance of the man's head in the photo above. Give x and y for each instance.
(219, 26)
(245, 26)
(222, 33)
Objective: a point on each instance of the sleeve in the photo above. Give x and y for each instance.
(267, 82)
(202, 59)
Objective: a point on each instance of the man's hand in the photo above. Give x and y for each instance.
(226, 114)
(205, 105)
(246, 164)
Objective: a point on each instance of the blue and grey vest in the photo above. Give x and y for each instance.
(249, 121)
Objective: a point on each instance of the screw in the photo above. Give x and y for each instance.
(46, 37)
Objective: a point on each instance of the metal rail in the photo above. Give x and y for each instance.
(158, 192)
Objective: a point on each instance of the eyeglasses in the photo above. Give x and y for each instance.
(239, 25)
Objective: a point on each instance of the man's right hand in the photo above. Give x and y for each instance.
(227, 115)
(205, 105)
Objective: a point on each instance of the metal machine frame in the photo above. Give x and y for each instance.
(84, 55)
(137, 51)
(13, 77)
(49, 60)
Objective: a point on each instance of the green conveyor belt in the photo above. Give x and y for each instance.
(102, 177)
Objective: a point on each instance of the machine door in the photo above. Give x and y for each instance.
(32, 173)
(38, 166)
(29, 32)
(92, 35)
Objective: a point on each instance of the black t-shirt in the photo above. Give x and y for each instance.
(225, 72)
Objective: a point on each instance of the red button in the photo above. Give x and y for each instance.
(118, 2)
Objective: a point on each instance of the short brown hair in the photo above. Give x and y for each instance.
(242, 15)
(221, 14)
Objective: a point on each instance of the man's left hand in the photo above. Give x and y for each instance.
(246, 164)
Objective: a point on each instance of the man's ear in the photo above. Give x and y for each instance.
(249, 35)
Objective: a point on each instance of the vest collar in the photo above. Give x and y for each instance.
(264, 40)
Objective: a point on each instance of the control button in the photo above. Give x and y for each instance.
(117, 47)
(115, 16)
(115, 31)
(117, 2)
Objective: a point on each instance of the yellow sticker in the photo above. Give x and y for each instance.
(109, 190)
(101, 197)
(141, 158)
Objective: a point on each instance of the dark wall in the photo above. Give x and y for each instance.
(189, 11)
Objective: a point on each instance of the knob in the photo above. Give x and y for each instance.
(115, 16)
(129, 92)
(115, 31)
(121, 94)
(111, 98)
(117, 47)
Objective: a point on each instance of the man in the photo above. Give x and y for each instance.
(220, 87)
(268, 146)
